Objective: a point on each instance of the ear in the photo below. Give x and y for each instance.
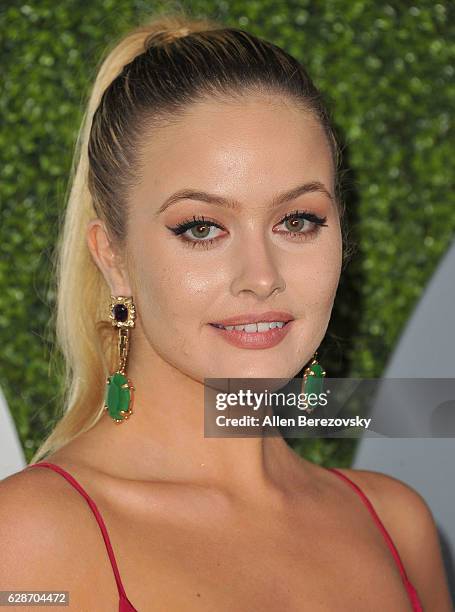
(107, 259)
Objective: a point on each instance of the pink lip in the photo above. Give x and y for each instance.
(255, 340)
(271, 315)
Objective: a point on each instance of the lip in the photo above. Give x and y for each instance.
(254, 340)
(271, 315)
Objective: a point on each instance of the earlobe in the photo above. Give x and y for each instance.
(106, 258)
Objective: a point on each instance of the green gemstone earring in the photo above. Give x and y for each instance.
(119, 390)
(313, 379)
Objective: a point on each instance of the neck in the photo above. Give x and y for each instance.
(164, 439)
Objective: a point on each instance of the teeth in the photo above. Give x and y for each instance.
(255, 327)
(251, 327)
(262, 327)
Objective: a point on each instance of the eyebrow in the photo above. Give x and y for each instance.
(203, 196)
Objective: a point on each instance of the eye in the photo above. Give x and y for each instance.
(201, 232)
(302, 224)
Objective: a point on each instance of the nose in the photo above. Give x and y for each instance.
(258, 272)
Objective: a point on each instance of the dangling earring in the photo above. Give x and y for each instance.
(313, 378)
(118, 398)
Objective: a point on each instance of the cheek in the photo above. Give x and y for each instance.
(162, 308)
(321, 277)
(319, 282)
(173, 301)
(159, 297)
(173, 290)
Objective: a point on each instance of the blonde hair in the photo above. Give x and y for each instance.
(149, 77)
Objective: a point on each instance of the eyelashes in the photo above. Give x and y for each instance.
(198, 222)
(299, 219)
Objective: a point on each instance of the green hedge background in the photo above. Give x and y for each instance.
(386, 70)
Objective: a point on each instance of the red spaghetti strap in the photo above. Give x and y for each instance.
(413, 596)
(416, 603)
(98, 517)
(377, 520)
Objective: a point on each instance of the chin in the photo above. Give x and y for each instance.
(256, 370)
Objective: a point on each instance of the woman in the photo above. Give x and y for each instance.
(205, 194)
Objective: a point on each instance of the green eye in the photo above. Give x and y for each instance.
(205, 232)
(297, 221)
(294, 225)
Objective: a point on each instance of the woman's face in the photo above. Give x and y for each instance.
(234, 261)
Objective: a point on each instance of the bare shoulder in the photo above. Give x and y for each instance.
(30, 499)
(35, 523)
(42, 534)
(410, 522)
(391, 492)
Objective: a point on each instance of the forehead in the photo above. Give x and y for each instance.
(251, 146)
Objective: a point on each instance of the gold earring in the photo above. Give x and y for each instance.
(119, 391)
(313, 377)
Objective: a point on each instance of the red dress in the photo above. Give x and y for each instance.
(126, 606)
